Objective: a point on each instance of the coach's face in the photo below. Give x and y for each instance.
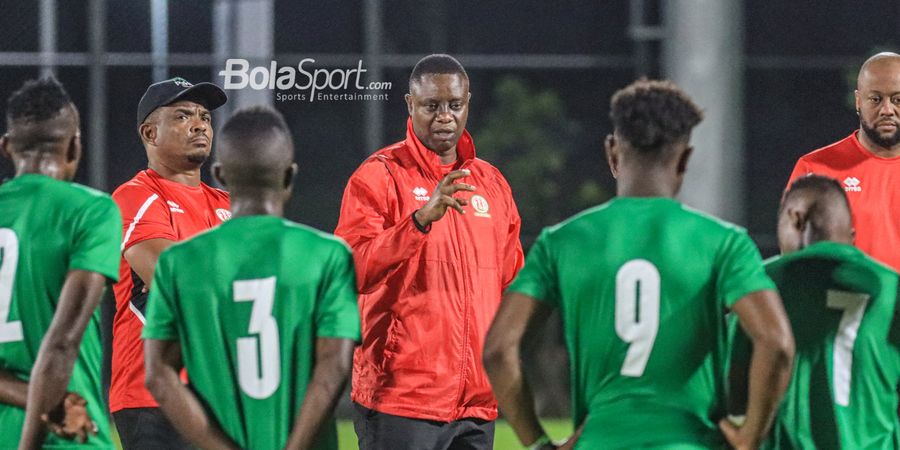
(878, 102)
(181, 133)
(439, 107)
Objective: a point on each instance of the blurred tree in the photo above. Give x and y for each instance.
(529, 135)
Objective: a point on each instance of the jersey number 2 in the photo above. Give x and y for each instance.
(637, 312)
(9, 259)
(259, 365)
(854, 306)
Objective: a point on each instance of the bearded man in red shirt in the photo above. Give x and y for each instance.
(867, 163)
(435, 236)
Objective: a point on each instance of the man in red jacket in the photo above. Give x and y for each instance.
(867, 163)
(430, 279)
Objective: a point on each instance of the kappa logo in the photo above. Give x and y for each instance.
(480, 205)
(223, 214)
(421, 194)
(851, 184)
(174, 207)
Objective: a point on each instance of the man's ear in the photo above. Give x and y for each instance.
(217, 174)
(148, 132)
(612, 154)
(409, 103)
(290, 174)
(683, 159)
(73, 152)
(4, 151)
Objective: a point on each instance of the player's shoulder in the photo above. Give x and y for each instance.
(712, 222)
(827, 154)
(70, 195)
(138, 189)
(379, 164)
(485, 169)
(312, 238)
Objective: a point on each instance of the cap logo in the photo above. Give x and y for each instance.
(182, 82)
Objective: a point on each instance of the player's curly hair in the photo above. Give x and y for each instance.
(651, 114)
(438, 63)
(37, 101)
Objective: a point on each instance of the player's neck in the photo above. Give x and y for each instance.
(41, 164)
(187, 177)
(646, 183)
(872, 147)
(257, 203)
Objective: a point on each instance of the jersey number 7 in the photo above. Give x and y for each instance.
(854, 306)
(9, 258)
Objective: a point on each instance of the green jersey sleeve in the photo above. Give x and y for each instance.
(740, 269)
(97, 238)
(538, 278)
(162, 320)
(337, 314)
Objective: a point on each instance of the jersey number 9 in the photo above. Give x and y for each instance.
(637, 313)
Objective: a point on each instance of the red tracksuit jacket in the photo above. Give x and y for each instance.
(427, 299)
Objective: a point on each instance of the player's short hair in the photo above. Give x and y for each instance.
(36, 101)
(437, 63)
(652, 114)
(821, 186)
(249, 124)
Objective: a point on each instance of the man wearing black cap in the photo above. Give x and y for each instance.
(161, 205)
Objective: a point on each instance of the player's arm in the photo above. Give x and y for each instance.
(765, 323)
(380, 244)
(142, 257)
(517, 315)
(183, 408)
(13, 391)
(334, 358)
(50, 375)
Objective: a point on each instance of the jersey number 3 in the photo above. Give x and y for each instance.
(259, 365)
(637, 312)
(9, 259)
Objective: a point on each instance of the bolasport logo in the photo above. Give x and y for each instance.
(304, 82)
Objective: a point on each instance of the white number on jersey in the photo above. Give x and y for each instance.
(9, 259)
(637, 312)
(259, 361)
(854, 305)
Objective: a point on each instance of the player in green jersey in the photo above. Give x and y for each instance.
(262, 311)
(642, 283)
(59, 245)
(842, 305)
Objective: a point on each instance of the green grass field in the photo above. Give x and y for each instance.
(504, 438)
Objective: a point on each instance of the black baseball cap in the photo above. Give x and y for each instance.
(169, 91)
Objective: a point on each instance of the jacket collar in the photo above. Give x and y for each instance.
(429, 161)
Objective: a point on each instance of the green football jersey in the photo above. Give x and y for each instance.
(643, 285)
(246, 301)
(47, 228)
(843, 393)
